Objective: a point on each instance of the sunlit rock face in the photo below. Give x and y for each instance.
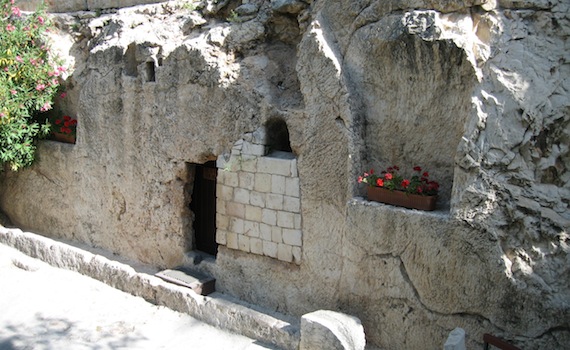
(475, 92)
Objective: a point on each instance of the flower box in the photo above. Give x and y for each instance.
(61, 137)
(401, 199)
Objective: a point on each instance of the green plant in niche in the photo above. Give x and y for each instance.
(233, 17)
(189, 6)
(29, 79)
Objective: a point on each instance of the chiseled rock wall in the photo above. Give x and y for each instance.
(475, 91)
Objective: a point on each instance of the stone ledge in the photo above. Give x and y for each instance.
(216, 309)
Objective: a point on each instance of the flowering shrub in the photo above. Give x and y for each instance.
(29, 79)
(418, 183)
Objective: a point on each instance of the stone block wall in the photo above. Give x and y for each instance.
(258, 201)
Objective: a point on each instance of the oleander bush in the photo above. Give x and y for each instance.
(29, 80)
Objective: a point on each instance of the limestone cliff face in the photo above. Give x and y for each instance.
(475, 91)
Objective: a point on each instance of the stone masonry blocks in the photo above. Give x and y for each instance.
(269, 249)
(285, 219)
(274, 201)
(269, 216)
(278, 184)
(285, 252)
(274, 166)
(245, 180)
(292, 237)
(262, 183)
(241, 195)
(243, 243)
(259, 205)
(257, 199)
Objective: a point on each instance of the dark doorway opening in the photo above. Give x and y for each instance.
(203, 205)
(277, 135)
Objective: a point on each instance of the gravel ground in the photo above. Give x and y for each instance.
(42, 307)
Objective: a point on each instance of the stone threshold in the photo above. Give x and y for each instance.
(216, 309)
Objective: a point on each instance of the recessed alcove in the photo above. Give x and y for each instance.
(149, 72)
(130, 61)
(416, 103)
(277, 137)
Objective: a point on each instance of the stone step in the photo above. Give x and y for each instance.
(184, 276)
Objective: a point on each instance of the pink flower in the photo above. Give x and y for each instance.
(16, 12)
(63, 95)
(388, 176)
(360, 179)
(46, 107)
(19, 59)
(13, 92)
(10, 27)
(61, 69)
(41, 19)
(40, 87)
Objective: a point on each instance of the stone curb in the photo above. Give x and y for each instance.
(216, 309)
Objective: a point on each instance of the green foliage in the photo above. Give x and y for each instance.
(29, 80)
(233, 17)
(189, 6)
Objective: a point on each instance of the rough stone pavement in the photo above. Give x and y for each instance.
(43, 307)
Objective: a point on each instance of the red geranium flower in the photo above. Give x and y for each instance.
(388, 176)
(380, 182)
(405, 183)
(417, 168)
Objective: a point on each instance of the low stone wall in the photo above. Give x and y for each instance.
(79, 5)
(216, 309)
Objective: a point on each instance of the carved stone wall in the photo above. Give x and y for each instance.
(476, 91)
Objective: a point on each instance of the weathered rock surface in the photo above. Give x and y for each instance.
(325, 329)
(475, 91)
